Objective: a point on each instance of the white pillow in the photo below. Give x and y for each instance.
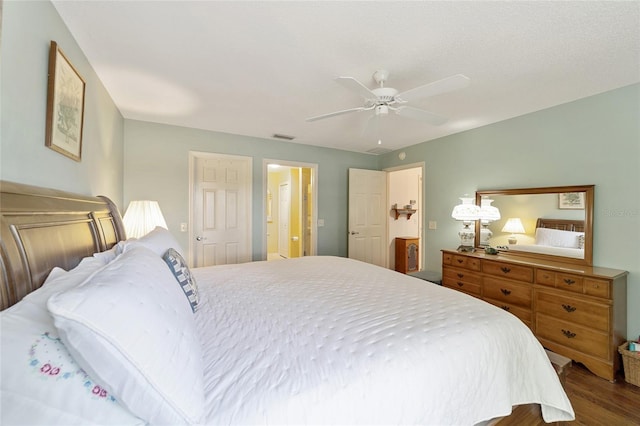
(558, 238)
(158, 241)
(40, 382)
(108, 255)
(60, 280)
(129, 327)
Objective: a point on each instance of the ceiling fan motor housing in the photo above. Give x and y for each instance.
(385, 94)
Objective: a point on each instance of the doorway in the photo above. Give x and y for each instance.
(290, 209)
(405, 186)
(371, 197)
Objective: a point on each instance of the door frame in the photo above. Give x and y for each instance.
(192, 161)
(281, 212)
(422, 216)
(314, 196)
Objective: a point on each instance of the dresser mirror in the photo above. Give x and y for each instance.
(554, 223)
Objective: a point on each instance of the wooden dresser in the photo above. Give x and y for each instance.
(576, 311)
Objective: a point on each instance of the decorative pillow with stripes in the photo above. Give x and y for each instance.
(181, 271)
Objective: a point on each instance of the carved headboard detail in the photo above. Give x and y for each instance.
(561, 224)
(44, 228)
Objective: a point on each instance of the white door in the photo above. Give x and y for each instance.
(221, 210)
(368, 216)
(284, 207)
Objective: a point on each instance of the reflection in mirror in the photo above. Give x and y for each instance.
(556, 222)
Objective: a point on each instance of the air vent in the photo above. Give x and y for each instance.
(283, 137)
(378, 151)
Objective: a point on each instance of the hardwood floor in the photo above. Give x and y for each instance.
(595, 401)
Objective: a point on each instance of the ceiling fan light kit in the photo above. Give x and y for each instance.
(383, 99)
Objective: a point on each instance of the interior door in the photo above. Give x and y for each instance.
(368, 216)
(221, 210)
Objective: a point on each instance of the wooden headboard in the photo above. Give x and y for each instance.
(561, 224)
(43, 228)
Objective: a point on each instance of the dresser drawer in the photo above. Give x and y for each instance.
(466, 286)
(598, 288)
(508, 270)
(592, 315)
(447, 258)
(574, 336)
(569, 282)
(523, 314)
(545, 277)
(462, 275)
(465, 262)
(508, 292)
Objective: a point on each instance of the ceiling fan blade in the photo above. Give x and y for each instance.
(333, 114)
(354, 85)
(420, 114)
(448, 84)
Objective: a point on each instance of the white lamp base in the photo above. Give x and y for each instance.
(467, 238)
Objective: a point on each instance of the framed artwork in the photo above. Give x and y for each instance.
(571, 200)
(65, 105)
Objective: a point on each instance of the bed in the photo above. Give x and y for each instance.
(557, 237)
(103, 330)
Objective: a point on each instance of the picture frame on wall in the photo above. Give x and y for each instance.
(571, 200)
(65, 105)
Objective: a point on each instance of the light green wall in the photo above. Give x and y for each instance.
(594, 140)
(27, 31)
(157, 167)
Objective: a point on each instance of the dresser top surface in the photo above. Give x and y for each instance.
(542, 263)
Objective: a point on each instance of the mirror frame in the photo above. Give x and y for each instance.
(588, 219)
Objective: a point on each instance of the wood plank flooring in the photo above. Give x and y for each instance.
(595, 401)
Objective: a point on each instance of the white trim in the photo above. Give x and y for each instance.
(200, 154)
(314, 194)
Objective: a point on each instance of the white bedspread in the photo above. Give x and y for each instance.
(327, 340)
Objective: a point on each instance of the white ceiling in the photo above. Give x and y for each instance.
(260, 68)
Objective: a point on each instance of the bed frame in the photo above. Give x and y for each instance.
(44, 228)
(561, 224)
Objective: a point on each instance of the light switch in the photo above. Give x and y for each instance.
(320, 222)
(183, 227)
(433, 224)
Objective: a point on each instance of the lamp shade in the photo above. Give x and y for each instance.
(466, 211)
(488, 213)
(514, 226)
(142, 217)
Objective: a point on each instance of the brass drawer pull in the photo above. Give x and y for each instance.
(569, 281)
(568, 308)
(460, 275)
(460, 260)
(460, 284)
(506, 308)
(505, 291)
(568, 334)
(505, 269)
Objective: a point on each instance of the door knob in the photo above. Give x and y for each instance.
(199, 238)
(353, 232)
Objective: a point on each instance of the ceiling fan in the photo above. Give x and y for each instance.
(382, 99)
